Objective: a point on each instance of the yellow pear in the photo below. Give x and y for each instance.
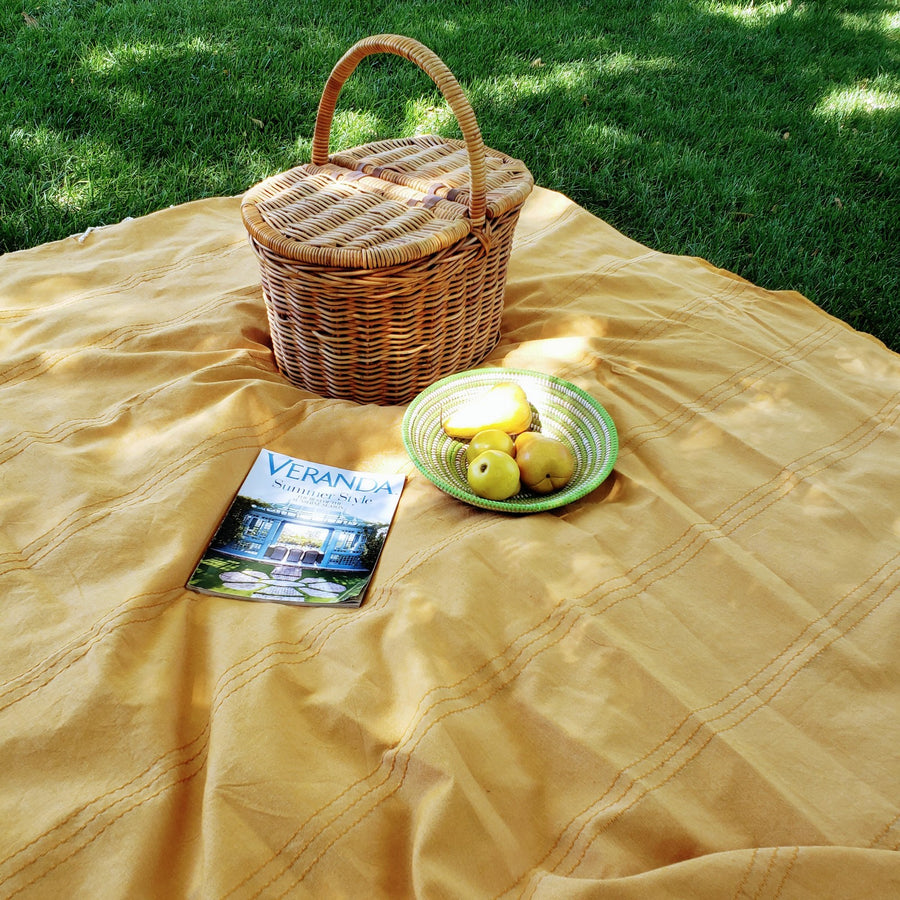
(504, 407)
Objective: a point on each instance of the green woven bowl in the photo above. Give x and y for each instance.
(562, 410)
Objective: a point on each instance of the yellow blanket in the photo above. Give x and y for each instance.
(683, 685)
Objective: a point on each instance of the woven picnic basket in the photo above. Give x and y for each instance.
(383, 266)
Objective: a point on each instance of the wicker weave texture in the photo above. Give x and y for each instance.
(383, 266)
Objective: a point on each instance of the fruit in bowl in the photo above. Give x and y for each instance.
(498, 467)
(503, 455)
(490, 439)
(545, 463)
(558, 409)
(494, 475)
(503, 407)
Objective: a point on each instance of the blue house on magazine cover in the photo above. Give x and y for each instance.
(288, 536)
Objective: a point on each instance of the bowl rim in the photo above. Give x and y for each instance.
(540, 502)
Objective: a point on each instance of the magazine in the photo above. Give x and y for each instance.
(300, 532)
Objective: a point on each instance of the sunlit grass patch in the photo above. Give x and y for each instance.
(864, 97)
(752, 13)
(352, 127)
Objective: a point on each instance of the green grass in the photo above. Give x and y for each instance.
(764, 137)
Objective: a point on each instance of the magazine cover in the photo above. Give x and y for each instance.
(300, 532)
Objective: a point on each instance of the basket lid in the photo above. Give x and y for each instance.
(381, 204)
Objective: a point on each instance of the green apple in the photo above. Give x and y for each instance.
(490, 439)
(493, 475)
(545, 464)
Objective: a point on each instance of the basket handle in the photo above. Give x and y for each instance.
(431, 64)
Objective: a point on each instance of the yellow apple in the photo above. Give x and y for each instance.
(545, 463)
(505, 407)
(493, 475)
(490, 439)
